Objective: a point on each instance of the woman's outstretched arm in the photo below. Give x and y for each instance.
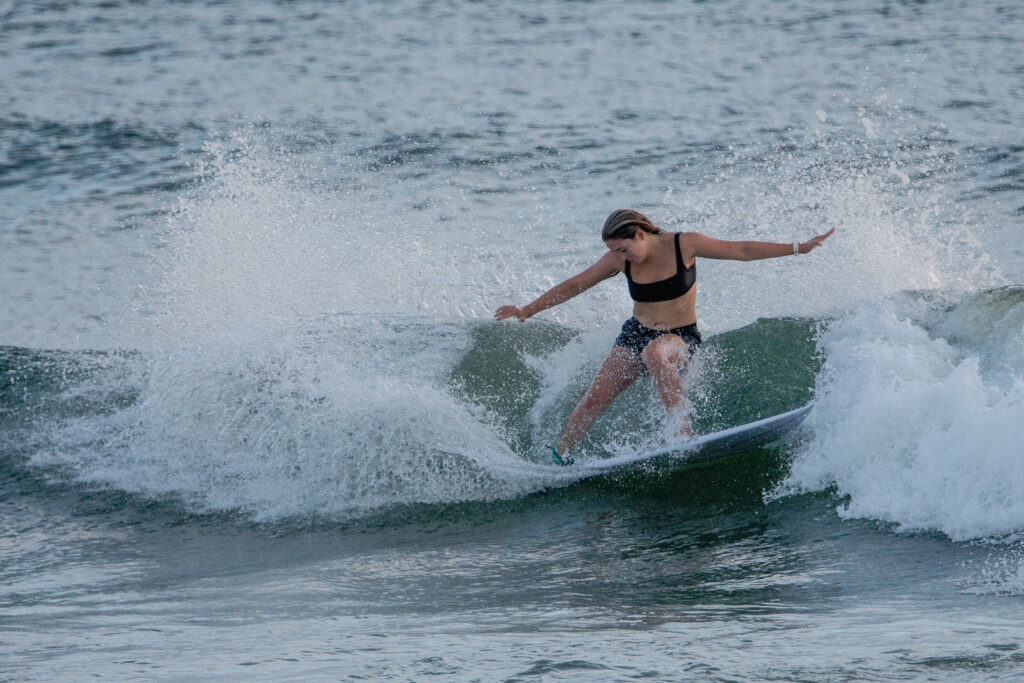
(708, 247)
(605, 268)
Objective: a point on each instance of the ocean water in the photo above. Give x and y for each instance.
(256, 422)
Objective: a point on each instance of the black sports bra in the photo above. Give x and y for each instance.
(668, 289)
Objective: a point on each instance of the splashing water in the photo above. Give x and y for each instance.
(920, 415)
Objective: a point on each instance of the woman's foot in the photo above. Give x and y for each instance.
(678, 429)
(559, 460)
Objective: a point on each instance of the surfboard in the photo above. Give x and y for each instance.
(703, 448)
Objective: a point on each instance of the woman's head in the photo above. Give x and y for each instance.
(623, 224)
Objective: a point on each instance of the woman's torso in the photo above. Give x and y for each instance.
(663, 265)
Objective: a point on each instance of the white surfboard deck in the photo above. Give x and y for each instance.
(702, 448)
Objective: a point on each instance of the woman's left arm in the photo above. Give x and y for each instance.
(708, 247)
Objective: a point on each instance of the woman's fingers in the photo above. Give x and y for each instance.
(815, 242)
(508, 312)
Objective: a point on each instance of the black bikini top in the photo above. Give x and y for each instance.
(668, 289)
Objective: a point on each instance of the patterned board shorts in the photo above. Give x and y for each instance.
(635, 336)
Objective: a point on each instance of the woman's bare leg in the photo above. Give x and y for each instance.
(620, 369)
(666, 358)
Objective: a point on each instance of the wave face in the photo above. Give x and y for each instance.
(918, 421)
(330, 421)
(920, 414)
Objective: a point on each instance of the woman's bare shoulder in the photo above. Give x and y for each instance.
(689, 243)
(611, 259)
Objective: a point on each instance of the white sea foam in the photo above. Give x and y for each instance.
(323, 423)
(919, 416)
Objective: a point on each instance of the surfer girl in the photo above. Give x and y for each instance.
(661, 337)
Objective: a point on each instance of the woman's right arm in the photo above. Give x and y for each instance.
(607, 266)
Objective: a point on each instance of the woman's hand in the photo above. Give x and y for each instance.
(511, 312)
(563, 291)
(815, 242)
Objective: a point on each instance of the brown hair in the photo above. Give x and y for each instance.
(623, 224)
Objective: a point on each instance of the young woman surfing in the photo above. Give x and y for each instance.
(662, 335)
